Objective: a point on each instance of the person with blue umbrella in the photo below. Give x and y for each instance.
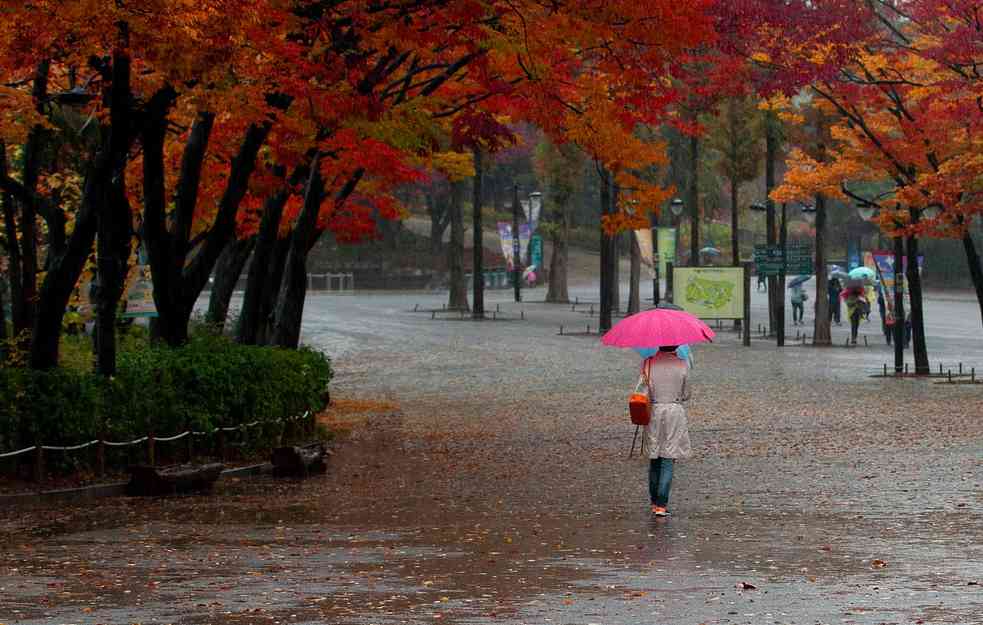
(798, 297)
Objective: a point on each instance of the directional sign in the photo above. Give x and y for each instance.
(769, 260)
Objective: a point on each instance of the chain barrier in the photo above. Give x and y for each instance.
(12, 454)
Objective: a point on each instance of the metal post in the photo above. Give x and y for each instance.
(746, 328)
(669, 293)
(516, 272)
(780, 291)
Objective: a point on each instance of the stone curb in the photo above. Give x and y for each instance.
(114, 489)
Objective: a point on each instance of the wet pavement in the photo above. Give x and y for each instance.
(483, 478)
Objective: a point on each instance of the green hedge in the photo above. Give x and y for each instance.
(208, 383)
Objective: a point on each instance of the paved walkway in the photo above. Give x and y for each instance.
(490, 485)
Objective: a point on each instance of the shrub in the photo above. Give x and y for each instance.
(208, 383)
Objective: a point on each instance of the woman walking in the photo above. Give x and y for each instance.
(667, 435)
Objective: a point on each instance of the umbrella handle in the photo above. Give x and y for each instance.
(633, 439)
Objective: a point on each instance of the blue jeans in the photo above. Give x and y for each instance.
(660, 480)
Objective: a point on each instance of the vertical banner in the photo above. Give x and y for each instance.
(536, 251)
(525, 234)
(505, 234)
(667, 248)
(710, 292)
(644, 239)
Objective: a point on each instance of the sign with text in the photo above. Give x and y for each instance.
(769, 260)
(710, 292)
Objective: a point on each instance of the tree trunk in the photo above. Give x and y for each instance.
(64, 269)
(780, 302)
(18, 313)
(558, 292)
(634, 298)
(607, 255)
(114, 219)
(735, 243)
(821, 329)
(28, 221)
(771, 155)
(256, 299)
(694, 201)
(914, 278)
(227, 271)
(3, 326)
(289, 310)
(458, 297)
(975, 271)
(477, 237)
(439, 220)
(293, 291)
(616, 245)
(271, 290)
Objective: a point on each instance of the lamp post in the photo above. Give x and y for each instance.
(676, 207)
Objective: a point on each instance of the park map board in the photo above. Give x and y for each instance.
(710, 292)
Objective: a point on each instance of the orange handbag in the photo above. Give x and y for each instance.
(638, 404)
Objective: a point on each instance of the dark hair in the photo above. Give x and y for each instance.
(668, 348)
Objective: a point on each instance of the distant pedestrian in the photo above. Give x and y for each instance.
(799, 297)
(833, 291)
(667, 434)
(882, 308)
(762, 285)
(856, 309)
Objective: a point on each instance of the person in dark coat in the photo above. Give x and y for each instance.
(833, 289)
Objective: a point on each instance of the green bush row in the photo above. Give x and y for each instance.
(208, 383)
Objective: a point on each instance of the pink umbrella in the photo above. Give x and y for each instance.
(657, 328)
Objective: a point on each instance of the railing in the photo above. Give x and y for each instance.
(150, 439)
(331, 281)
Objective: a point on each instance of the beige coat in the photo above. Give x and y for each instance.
(667, 434)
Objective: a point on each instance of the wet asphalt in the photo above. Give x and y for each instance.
(481, 476)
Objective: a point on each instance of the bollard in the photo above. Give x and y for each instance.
(101, 457)
(972, 375)
(498, 308)
(960, 368)
(940, 368)
(906, 368)
(885, 370)
(38, 465)
(151, 451)
(221, 444)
